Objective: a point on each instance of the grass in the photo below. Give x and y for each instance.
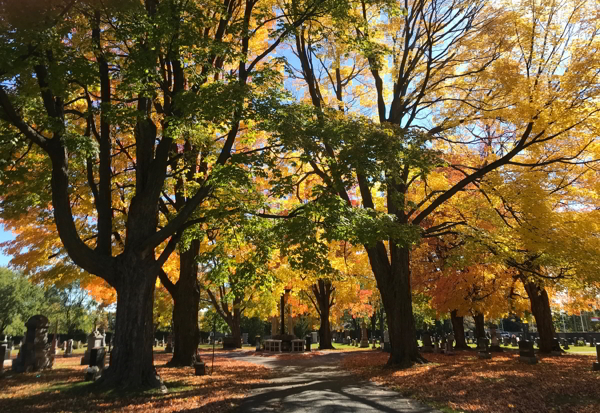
(348, 347)
(62, 389)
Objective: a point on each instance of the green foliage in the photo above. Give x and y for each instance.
(210, 320)
(19, 300)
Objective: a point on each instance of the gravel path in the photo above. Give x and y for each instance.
(317, 384)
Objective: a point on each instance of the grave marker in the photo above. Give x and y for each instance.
(526, 353)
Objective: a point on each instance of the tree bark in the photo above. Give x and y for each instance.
(131, 360)
(479, 325)
(186, 301)
(322, 291)
(459, 330)
(393, 282)
(540, 307)
(381, 321)
(235, 326)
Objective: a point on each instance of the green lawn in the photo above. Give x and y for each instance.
(346, 347)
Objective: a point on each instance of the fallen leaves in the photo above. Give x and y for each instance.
(501, 384)
(63, 389)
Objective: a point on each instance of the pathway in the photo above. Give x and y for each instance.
(318, 384)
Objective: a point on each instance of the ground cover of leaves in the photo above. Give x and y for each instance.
(62, 389)
(463, 382)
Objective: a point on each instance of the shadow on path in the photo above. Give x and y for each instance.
(318, 384)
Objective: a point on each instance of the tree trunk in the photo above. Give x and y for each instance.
(131, 359)
(322, 291)
(393, 282)
(234, 325)
(458, 326)
(373, 324)
(186, 300)
(540, 307)
(479, 325)
(381, 321)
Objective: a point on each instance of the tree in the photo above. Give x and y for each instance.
(19, 300)
(93, 83)
(451, 62)
(236, 269)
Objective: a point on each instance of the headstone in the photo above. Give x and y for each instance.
(596, 366)
(495, 347)
(103, 339)
(449, 350)
(513, 341)
(427, 345)
(96, 363)
(482, 347)
(64, 346)
(315, 337)
(506, 341)
(374, 344)
(244, 338)
(35, 353)
(2, 355)
(364, 339)
(387, 346)
(526, 353)
(169, 348)
(68, 348)
(94, 340)
(556, 350)
(6, 345)
(565, 344)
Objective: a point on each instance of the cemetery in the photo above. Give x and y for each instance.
(299, 206)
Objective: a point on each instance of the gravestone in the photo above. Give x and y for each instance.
(169, 348)
(450, 345)
(7, 346)
(495, 347)
(68, 348)
(556, 350)
(565, 344)
(526, 353)
(596, 366)
(96, 363)
(64, 346)
(592, 342)
(2, 355)
(482, 347)
(364, 339)
(315, 337)
(506, 341)
(513, 341)
(35, 353)
(244, 338)
(387, 346)
(427, 345)
(103, 339)
(94, 340)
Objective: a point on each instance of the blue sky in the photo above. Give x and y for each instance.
(4, 236)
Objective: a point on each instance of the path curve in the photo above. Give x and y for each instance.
(316, 383)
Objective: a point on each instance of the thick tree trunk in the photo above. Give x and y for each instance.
(131, 360)
(458, 326)
(322, 291)
(186, 300)
(540, 307)
(381, 321)
(479, 325)
(393, 282)
(234, 325)
(373, 324)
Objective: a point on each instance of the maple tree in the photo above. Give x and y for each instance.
(86, 83)
(457, 64)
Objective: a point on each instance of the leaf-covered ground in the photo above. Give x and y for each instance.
(503, 384)
(62, 389)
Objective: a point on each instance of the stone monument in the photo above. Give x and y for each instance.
(94, 340)
(427, 345)
(526, 353)
(450, 345)
(596, 366)
(495, 347)
(364, 340)
(482, 347)
(35, 353)
(69, 348)
(169, 348)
